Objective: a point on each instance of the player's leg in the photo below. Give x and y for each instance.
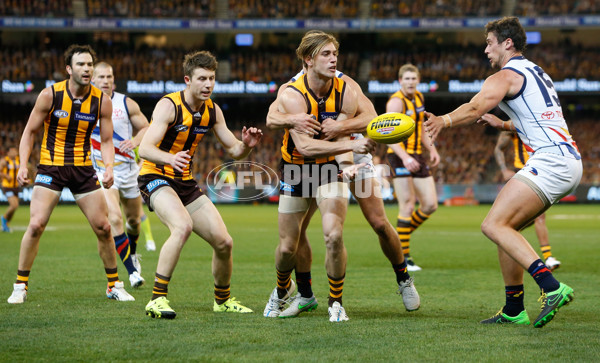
(291, 214)
(94, 207)
(132, 207)
(208, 224)
(305, 299)
(541, 230)
(121, 241)
(13, 204)
(170, 210)
(43, 201)
(367, 192)
(517, 205)
(333, 203)
(406, 197)
(147, 229)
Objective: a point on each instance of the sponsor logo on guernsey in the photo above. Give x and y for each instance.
(88, 117)
(548, 115)
(60, 113)
(197, 115)
(180, 128)
(533, 171)
(326, 115)
(200, 130)
(43, 179)
(155, 183)
(420, 109)
(409, 112)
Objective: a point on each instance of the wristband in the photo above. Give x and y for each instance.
(448, 122)
(504, 125)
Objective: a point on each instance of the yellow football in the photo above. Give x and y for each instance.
(391, 128)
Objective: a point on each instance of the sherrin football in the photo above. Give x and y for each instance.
(391, 128)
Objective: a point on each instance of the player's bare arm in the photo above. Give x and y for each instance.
(106, 141)
(292, 102)
(495, 88)
(493, 121)
(365, 112)
(139, 123)
(234, 147)
(162, 117)
(42, 107)
(504, 140)
(301, 122)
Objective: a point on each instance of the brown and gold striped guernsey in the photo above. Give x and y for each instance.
(415, 109)
(11, 168)
(329, 106)
(68, 127)
(183, 133)
(521, 155)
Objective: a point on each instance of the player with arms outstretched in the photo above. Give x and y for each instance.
(527, 95)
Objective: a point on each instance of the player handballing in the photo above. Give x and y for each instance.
(554, 169)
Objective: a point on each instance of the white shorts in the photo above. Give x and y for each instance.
(290, 204)
(551, 176)
(366, 172)
(125, 176)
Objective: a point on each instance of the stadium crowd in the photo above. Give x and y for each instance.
(440, 63)
(294, 9)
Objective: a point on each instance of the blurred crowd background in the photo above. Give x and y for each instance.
(145, 56)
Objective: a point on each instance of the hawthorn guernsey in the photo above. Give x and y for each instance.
(391, 128)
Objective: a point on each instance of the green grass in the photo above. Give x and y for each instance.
(68, 318)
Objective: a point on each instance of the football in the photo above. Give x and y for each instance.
(391, 128)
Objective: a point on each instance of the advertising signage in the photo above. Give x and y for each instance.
(240, 87)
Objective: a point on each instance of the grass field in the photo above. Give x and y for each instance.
(68, 318)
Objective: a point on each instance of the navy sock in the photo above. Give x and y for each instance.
(122, 244)
(514, 300)
(542, 276)
(133, 238)
(304, 281)
(401, 272)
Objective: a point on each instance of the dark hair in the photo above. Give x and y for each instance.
(75, 49)
(200, 59)
(508, 27)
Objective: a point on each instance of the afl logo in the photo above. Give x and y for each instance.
(548, 115)
(60, 113)
(181, 128)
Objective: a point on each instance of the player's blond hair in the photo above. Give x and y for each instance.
(408, 68)
(312, 43)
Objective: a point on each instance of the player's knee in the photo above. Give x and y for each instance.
(489, 228)
(380, 225)
(102, 229)
(36, 227)
(182, 231)
(429, 208)
(287, 250)
(333, 238)
(133, 222)
(224, 246)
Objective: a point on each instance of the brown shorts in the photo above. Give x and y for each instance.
(187, 190)
(79, 179)
(399, 171)
(303, 180)
(10, 192)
